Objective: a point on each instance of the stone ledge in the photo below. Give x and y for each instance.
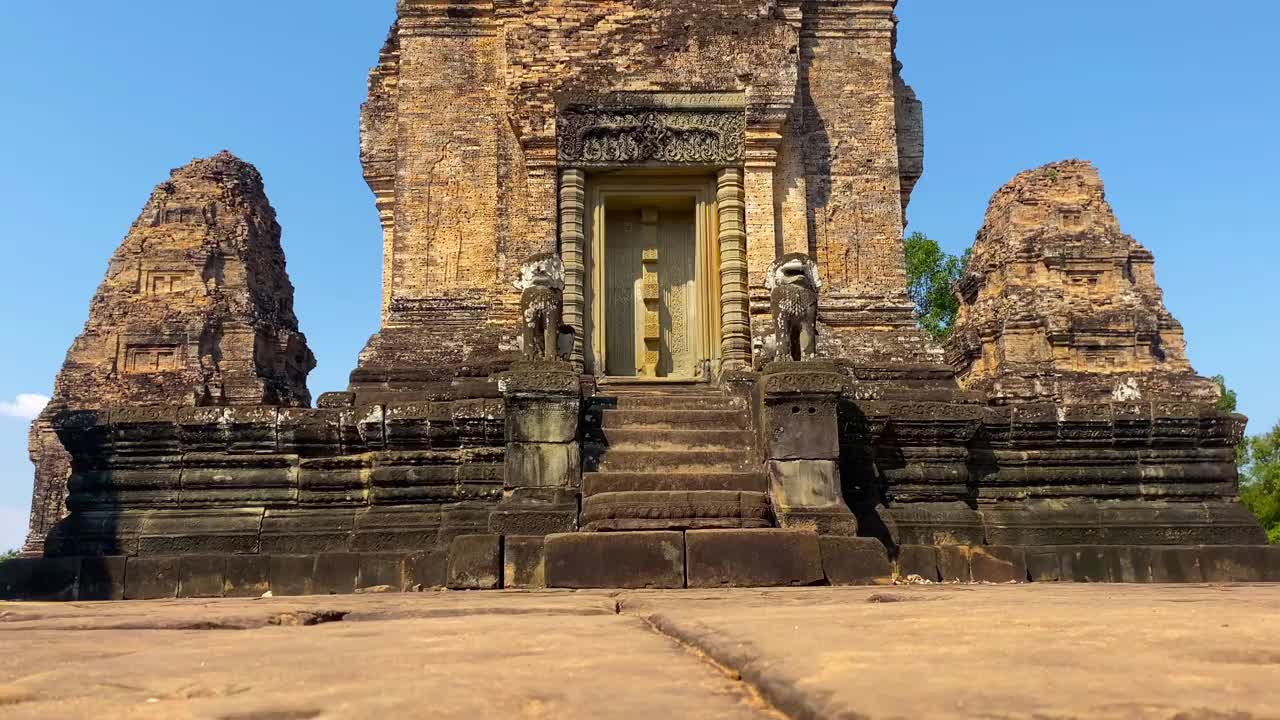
(714, 558)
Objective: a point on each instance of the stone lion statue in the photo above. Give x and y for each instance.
(793, 294)
(541, 285)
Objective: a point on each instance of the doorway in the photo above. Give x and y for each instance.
(654, 291)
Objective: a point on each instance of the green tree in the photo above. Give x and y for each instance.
(931, 273)
(1227, 402)
(1260, 480)
(7, 556)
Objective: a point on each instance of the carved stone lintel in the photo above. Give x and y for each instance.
(604, 137)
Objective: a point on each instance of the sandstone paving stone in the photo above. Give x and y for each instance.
(1022, 651)
(499, 656)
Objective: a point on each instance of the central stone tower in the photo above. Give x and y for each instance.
(687, 143)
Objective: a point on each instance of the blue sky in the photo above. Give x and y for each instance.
(1173, 99)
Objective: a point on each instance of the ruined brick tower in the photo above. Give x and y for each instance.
(645, 324)
(196, 309)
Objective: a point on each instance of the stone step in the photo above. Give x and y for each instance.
(597, 483)
(602, 459)
(677, 440)
(675, 510)
(677, 401)
(675, 419)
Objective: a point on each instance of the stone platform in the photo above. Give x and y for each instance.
(1027, 651)
(633, 560)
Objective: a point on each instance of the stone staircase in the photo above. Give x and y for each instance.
(671, 457)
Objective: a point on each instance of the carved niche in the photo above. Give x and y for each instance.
(596, 136)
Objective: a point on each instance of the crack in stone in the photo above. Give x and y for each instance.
(756, 695)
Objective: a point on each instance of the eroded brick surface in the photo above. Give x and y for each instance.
(196, 309)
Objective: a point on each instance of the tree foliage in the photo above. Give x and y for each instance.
(1260, 480)
(7, 556)
(931, 273)
(1227, 401)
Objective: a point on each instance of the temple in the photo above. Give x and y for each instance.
(645, 324)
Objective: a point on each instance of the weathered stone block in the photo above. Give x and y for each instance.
(536, 511)
(1087, 563)
(1234, 563)
(186, 532)
(1132, 564)
(1074, 523)
(239, 480)
(334, 480)
(396, 528)
(475, 562)
(465, 518)
(934, 523)
(955, 563)
(542, 420)
(102, 578)
(805, 484)
(532, 521)
(1176, 565)
(801, 428)
(304, 532)
(151, 578)
(1043, 565)
(998, 564)
(543, 465)
(524, 563)
(616, 560)
(47, 579)
(753, 558)
(292, 574)
(921, 560)
(335, 573)
(381, 569)
(855, 561)
(427, 569)
(247, 576)
(202, 576)
(99, 533)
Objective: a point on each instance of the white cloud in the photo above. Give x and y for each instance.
(26, 406)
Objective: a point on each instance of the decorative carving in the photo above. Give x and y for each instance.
(152, 359)
(621, 136)
(541, 285)
(793, 294)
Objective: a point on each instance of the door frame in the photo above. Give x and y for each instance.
(706, 261)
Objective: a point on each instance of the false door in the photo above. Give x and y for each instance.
(651, 325)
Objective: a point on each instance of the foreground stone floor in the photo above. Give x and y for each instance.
(1030, 651)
